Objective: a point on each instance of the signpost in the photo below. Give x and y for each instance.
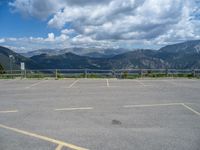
(23, 71)
(22, 66)
(11, 57)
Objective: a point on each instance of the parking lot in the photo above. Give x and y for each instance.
(100, 114)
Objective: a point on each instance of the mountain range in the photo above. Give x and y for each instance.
(90, 52)
(177, 56)
(17, 59)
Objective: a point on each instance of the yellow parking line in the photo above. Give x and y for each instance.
(68, 145)
(59, 147)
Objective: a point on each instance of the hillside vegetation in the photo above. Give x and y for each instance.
(178, 56)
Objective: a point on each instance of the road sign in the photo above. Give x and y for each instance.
(22, 66)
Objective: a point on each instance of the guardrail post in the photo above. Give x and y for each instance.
(141, 73)
(85, 73)
(194, 73)
(25, 73)
(11, 74)
(166, 72)
(113, 74)
(56, 74)
(22, 74)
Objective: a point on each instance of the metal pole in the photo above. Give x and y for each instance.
(194, 73)
(141, 73)
(22, 74)
(85, 73)
(56, 74)
(11, 65)
(12, 68)
(25, 73)
(166, 72)
(113, 74)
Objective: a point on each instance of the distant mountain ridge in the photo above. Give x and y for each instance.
(186, 47)
(90, 52)
(5, 60)
(178, 56)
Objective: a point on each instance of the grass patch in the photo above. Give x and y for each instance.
(121, 75)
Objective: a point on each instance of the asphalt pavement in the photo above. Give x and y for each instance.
(100, 114)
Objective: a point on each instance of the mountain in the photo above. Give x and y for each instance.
(97, 55)
(137, 59)
(64, 61)
(183, 55)
(106, 53)
(90, 52)
(128, 60)
(178, 56)
(133, 59)
(42, 51)
(186, 47)
(5, 60)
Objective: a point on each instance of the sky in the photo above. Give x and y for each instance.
(27, 25)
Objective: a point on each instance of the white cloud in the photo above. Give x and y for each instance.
(2, 40)
(115, 22)
(129, 20)
(50, 37)
(37, 8)
(68, 31)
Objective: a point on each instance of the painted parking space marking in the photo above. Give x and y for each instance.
(191, 109)
(12, 80)
(152, 105)
(73, 108)
(44, 138)
(8, 111)
(171, 81)
(71, 85)
(107, 83)
(141, 83)
(167, 104)
(35, 84)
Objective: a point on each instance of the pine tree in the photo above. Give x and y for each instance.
(1, 69)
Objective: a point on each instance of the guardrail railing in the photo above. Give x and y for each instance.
(95, 73)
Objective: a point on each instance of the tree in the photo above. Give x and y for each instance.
(1, 69)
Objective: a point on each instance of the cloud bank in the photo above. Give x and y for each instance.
(115, 23)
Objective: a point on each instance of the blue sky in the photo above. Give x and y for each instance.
(27, 25)
(16, 25)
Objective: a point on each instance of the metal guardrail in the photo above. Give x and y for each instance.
(94, 73)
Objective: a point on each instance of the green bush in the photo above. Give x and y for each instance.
(156, 75)
(59, 75)
(125, 74)
(94, 76)
(38, 75)
(134, 76)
